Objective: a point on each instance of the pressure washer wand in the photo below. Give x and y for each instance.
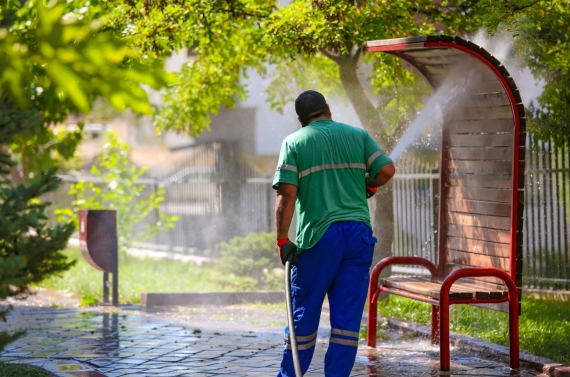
(292, 332)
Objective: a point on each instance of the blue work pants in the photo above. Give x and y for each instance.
(337, 266)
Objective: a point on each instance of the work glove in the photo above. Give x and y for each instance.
(287, 251)
(370, 191)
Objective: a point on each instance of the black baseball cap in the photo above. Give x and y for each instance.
(310, 104)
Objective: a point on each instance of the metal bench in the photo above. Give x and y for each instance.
(481, 193)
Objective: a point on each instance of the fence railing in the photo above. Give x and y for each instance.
(546, 242)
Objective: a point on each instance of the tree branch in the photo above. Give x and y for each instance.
(357, 52)
(329, 54)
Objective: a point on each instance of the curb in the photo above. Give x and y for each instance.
(149, 299)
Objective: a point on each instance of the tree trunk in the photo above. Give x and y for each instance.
(383, 225)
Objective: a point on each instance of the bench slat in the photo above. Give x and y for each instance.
(450, 267)
(489, 99)
(497, 140)
(483, 221)
(479, 207)
(480, 167)
(479, 153)
(480, 193)
(490, 112)
(476, 260)
(430, 288)
(488, 181)
(478, 247)
(477, 233)
(480, 126)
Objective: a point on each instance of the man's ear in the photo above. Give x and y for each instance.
(329, 111)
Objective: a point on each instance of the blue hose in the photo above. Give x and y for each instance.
(292, 332)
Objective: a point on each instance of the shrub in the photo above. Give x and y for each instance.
(253, 259)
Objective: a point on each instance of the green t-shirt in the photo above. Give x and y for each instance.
(327, 162)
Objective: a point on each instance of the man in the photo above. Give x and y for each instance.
(325, 172)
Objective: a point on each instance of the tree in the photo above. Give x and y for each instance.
(29, 248)
(314, 44)
(545, 42)
(55, 62)
(317, 43)
(51, 64)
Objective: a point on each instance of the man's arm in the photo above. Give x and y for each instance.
(284, 208)
(382, 177)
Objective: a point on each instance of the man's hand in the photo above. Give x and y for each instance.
(370, 191)
(287, 251)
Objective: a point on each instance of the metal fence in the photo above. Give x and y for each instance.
(546, 242)
(217, 196)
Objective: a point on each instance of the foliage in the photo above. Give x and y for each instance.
(254, 259)
(63, 58)
(545, 42)
(22, 370)
(88, 300)
(302, 39)
(53, 63)
(29, 248)
(137, 275)
(119, 190)
(227, 45)
(544, 326)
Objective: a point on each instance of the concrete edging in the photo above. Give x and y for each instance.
(211, 298)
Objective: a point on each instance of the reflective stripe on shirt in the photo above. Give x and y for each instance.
(315, 169)
(287, 167)
(373, 157)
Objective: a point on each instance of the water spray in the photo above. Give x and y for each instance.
(431, 117)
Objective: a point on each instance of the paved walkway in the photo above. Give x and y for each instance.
(204, 341)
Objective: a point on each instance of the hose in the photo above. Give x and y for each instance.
(292, 332)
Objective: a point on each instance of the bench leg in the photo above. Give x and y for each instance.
(514, 332)
(444, 357)
(372, 321)
(434, 324)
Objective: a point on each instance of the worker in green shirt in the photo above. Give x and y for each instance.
(325, 173)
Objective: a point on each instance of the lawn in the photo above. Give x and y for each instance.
(22, 370)
(544, 325)
(136, 276)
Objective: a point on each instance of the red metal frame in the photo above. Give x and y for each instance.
(516, 146)
(444, 304)
(400, 47)
(374, 290)
(440, 329)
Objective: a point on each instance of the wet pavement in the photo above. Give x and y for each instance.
(205, 341)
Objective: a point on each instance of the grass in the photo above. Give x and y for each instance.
(136, 276)
(22, 370)
(544, 326)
